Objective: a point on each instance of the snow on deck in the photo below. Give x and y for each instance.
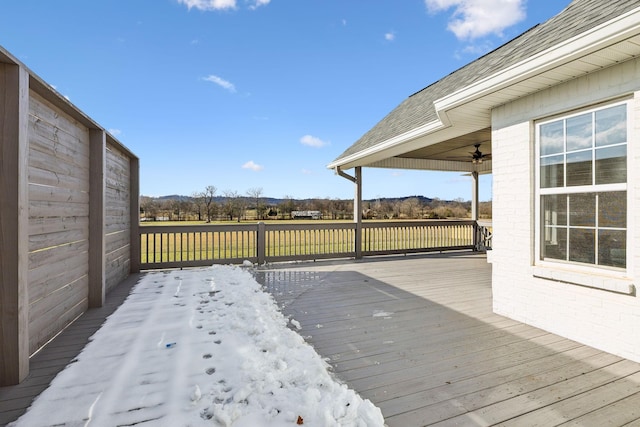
(199, 347)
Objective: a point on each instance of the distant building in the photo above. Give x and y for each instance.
(306, 215)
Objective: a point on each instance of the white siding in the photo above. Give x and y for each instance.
(602, 319)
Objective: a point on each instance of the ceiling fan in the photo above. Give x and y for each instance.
(477, 156)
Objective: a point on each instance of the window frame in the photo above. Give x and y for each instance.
(547, 268)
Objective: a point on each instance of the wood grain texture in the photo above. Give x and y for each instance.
(14, 225)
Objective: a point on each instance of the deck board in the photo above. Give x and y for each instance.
(417, 336)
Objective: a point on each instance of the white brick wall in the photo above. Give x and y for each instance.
(602, 319)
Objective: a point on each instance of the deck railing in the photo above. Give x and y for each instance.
(199, 245)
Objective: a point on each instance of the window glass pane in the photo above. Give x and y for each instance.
(552, 172)
(611, 126)
(552, 138)
(554, 209)
(579, 132)
(579, 169)
(582, 210)
(611, 165)
(612, 248)
(582, 245)
(612, 209)
(554, 245)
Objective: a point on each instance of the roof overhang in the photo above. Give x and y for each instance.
(468, 110)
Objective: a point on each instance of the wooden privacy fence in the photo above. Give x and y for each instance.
(68, 215)
(199, 245)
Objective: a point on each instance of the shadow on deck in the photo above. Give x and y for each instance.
(58, 353)
(417, 336)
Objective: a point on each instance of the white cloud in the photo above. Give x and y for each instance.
(478, 18)
(257, 3)
(253, 166)
(115, 132)
(344, 22)
(390, 36)
(313, 141)
(209, 4)
(306, 172)
(221, 82)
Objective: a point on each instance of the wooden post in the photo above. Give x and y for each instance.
(97, 248)
(14, 223)
(134, 228)
(475, 208)
(475, 198)
(261, 243)
(357, 212)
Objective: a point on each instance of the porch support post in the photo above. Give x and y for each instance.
(14, 224)
(357, 212)
(475, 208)
(475, 201)
(97, 256)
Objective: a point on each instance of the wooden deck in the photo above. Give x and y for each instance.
(417, 336)
(56, 355)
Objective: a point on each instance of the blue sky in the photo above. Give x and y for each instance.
(243, 94)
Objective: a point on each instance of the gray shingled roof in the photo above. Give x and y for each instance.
(418, 109)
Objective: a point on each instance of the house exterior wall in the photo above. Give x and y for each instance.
(568, 301)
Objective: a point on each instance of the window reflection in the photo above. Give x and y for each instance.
(579, 132)
(611, 165)
(611, 126)
(552, 138)
(579, 170)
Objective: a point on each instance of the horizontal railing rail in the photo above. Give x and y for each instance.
(199, 245)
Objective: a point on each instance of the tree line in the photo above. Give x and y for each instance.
(208, 205)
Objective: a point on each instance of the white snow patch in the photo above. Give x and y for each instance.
(380, 313)
(181, 351)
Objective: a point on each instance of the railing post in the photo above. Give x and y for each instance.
(357, 212)
(261, 243)
(134, 215)
(476, 236)
(14, 224)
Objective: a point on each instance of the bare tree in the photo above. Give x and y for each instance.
(231, 207)
(149, 207)
(287, 205)
(410, 207)
(256, 195)
(199, 206)
(209, 195)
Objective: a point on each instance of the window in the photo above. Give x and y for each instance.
(582, 187)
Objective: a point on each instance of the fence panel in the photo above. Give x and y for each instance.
(287, 242)
(197, 245)
(402, 237)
